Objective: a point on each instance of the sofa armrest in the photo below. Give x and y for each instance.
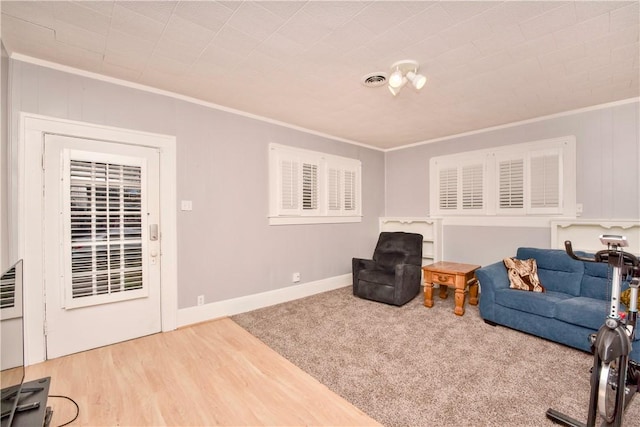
(491, 278)
(494, 275)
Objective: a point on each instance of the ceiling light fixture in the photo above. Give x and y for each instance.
(395, 80)
(404, 71)
(396, 89)
(417, 80)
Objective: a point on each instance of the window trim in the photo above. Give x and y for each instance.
(325, 162)
(565, 147)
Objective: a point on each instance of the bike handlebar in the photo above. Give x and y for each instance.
(628, 259)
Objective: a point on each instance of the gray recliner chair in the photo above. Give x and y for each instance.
(393, 275)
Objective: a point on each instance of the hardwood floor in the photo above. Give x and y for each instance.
(213, 373)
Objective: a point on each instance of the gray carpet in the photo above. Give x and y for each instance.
(414, 366)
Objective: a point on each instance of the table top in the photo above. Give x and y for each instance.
(451, 267)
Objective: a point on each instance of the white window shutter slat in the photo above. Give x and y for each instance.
(511, 184)
(545, 181)
(289, 184)
(333, 190)
(8, 291)
(309, 186)
(350, 193)
(472, 187)
(448, 192)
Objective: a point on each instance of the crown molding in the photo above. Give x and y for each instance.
(126, 83)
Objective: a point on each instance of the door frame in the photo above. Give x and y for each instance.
(27, 205)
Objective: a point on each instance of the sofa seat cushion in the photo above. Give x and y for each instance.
(380, 277)
(542, 304)
(582, 311)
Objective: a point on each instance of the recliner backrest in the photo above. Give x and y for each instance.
(398, 247)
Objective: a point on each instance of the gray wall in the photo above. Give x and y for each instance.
(608, 177)
(226, 248)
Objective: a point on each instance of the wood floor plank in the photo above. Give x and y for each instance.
(213, 373)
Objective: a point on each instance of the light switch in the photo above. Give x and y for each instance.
(186, 205)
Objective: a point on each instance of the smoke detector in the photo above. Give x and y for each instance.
(377, 79)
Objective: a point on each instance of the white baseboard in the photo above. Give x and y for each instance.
(202, 313)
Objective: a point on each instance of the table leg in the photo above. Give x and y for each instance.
(428, 291)
(473, 291)
(443, 291)
(461, 283)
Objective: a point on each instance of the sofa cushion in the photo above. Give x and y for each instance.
(582, 311)
(595, 282)
(523, 274)
(542, 304)
(556, 270)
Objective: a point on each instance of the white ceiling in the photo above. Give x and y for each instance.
(301, 62)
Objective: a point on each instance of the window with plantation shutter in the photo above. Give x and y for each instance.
(289, 185)
(309, 186)
(8, 290)
(350, 191)
(448, 188)
(298, 185)
(312, 187)
(511, 184)
(334, 190)
(535, 178)
(105, 217)
(472, 187)
(545, 181)
(11, 292)
(460, 187)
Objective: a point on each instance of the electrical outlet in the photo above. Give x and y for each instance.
(200, 299)
(296, 277)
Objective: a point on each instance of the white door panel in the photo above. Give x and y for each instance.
(102, 268)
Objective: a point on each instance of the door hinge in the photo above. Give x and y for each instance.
(45, 328)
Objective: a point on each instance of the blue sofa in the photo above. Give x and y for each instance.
(573, 306)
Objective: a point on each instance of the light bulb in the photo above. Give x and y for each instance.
(396, 90)
(417, 80)
(395, 79)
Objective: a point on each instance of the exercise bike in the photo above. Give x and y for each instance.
(614, 377)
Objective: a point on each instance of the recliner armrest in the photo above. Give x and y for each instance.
(362, 264)
(358, 264)
(407, 280)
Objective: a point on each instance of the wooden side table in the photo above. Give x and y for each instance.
(451, 274)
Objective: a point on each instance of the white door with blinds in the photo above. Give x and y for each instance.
(102, 242)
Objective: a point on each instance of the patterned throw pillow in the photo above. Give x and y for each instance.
(625, 297)
(523, 274)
